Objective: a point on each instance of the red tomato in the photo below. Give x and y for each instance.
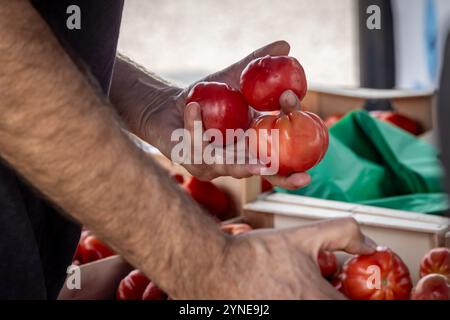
(236, 228)
(221, 106)
(379, 276)
(209, 196)
(398, 120)
(332, 120)
(132, 287)
(92, 249)
(77, 258)
(152, 292)
(436, 261)
(303, 140)
(432, 287)
(265, 79)
(328, 264)
(266, 185)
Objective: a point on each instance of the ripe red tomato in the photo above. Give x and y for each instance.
(266, 186)
(213, 199)
(152, 292)
(132, 287)
(379, 276)
(303, 140)
(436, 261)
(328, 264)
(77, 257)
(432, 287)
(221, 106)
(265, 79)
(90, 249)
(236, 228)
(398, 120)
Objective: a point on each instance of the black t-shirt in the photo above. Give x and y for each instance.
(36, 241)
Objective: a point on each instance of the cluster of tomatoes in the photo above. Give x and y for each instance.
(303, 137)
(384, 276)
(379, 276)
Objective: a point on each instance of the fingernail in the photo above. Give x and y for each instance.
(194, 109)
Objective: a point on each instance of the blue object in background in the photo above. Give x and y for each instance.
(431, 38)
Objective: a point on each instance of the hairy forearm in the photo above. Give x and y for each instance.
(137, 94)
(57, 131)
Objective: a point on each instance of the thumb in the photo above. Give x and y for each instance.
(277, 48)
(343, 234)
(289, 102)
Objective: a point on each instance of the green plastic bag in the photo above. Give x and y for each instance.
(373, 162)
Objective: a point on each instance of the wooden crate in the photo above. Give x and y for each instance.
(417, 105)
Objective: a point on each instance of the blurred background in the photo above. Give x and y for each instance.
(186, 40)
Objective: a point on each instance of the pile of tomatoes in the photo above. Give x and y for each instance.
(303, 137)
(379, 276)
(384, 276)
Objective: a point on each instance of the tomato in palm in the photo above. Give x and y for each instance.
(222, 107)
(208, 195)
(328, 264)
(302, 144)
(432, 287)
(265, 79)
(132, 287)
(379, 276)
(436, 261)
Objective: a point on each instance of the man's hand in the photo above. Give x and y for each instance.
(282, 264)
(161, 114)
(65, 140)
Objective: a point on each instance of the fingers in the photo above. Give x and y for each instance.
(289, 102)
(294, 181)
(342, 234)
(277, 48)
